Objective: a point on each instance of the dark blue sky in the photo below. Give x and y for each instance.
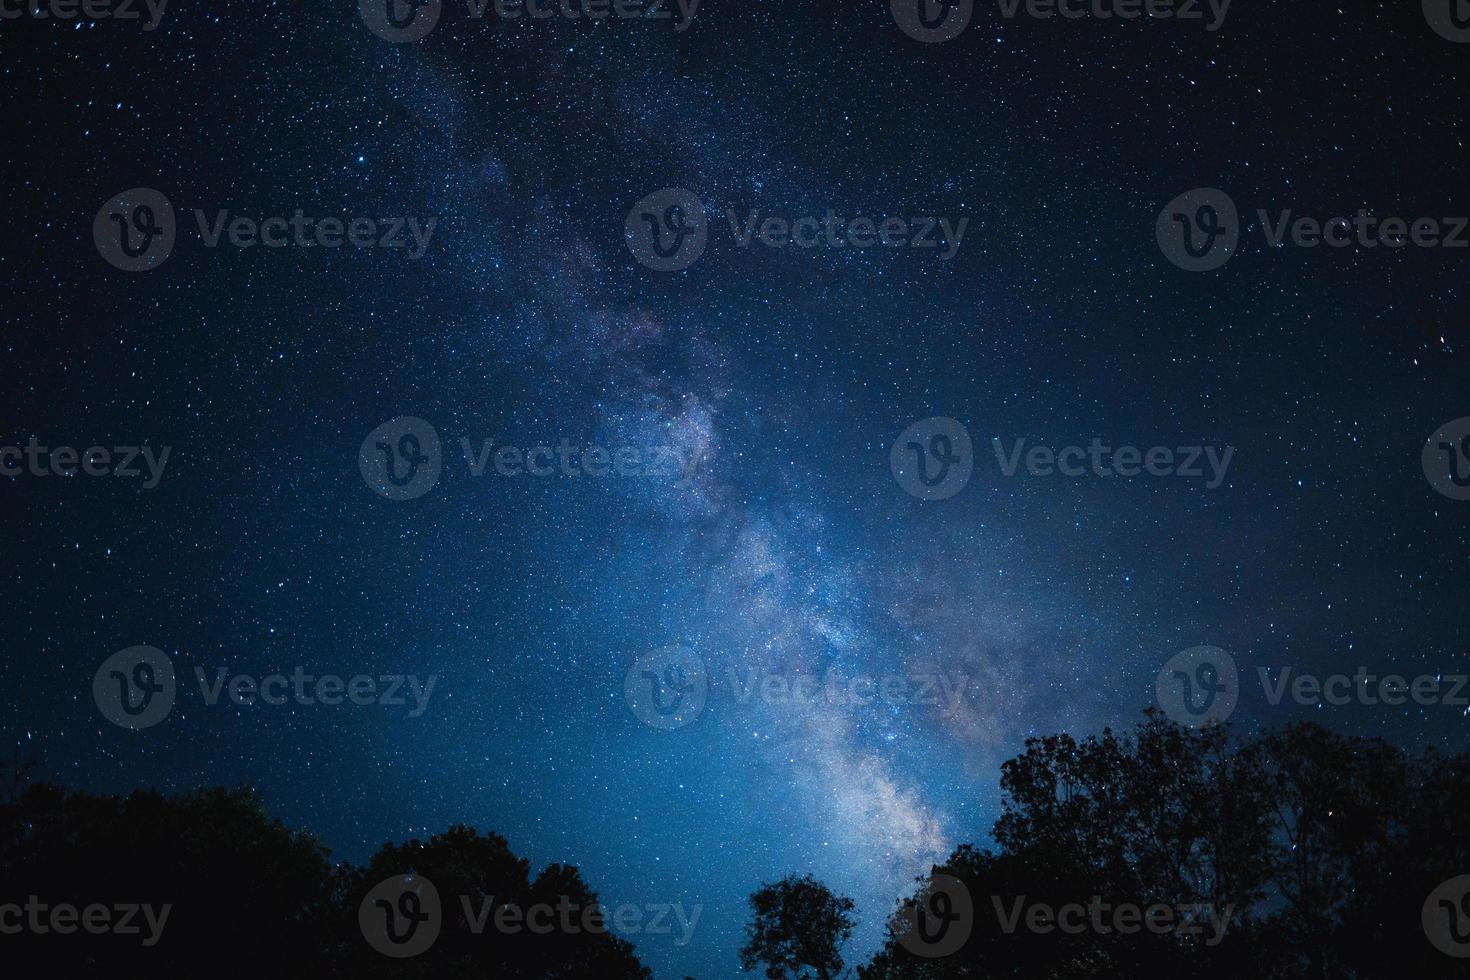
(785, 375)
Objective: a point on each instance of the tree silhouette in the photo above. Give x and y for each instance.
(245, 895)
(1324, 846)
(20, 768)
(248, 897)
(486, 894)
(799, 925)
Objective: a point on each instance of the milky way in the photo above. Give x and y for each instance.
(781, 552)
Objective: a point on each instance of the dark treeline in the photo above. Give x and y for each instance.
(252, 898)
(1326, 847)
(1317, 853)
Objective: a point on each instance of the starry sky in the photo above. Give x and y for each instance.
(782, 376)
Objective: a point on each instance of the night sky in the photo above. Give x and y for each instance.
(780, 378)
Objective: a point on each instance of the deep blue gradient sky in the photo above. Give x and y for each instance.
(787, 374)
